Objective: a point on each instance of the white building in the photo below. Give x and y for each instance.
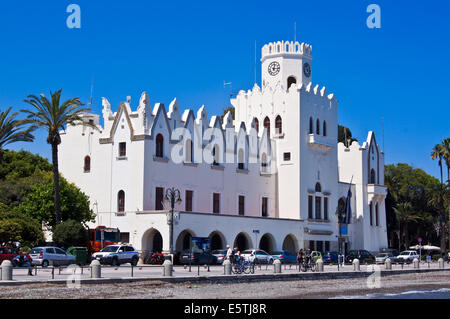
(277, 188)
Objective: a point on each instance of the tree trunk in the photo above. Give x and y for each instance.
(406, 236)
(56, 183)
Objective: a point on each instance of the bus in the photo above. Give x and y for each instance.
(102, 236)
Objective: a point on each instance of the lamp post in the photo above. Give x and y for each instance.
(172, 196)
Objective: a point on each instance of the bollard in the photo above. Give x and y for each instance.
(227, 267)
(277, 266)
(167, 268)
(96, 269)
(388, 264)
(356, 266)
(7, 270)
(416, 263)
(319, 265)
(441, 263)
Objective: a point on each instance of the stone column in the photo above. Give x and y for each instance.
(96, 269)
(167, 268)
(227, 267)
(7, 270)
(277, 266)
(320, 265)
(356, 266)
(388, 264)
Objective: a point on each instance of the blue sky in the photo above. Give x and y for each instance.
(187, 49)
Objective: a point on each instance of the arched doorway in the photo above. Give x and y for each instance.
(242, 242)
(183, 242)
(267, 243)
(290, 244)
(217, 240)
(152, 242)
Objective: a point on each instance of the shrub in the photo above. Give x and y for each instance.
(70, 233)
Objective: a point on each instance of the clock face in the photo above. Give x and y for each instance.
(307, 70)
(274, 68)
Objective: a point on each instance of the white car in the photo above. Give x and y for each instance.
(117, 254)
(46, 256)
(257, 256)
(408, 256)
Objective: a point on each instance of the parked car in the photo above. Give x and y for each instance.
(45, 256)
(116, 255)
(381, 258)
(220, 255)
(9, 253)
(197, 258)
(363, 255)
(286, 257)
(330, 257)
(408, 256)
(257, 256)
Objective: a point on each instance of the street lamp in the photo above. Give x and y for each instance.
(173, 197)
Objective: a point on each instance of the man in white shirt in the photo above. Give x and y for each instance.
(229, 253)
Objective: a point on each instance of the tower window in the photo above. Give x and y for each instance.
(241, 205)
(256, 125)
(278, 125)
(310, 207)
(267, 125)
(311, 128)
(159, 198)
(264, 207)
(122, 149)
(188, 201)
(318, 188)
(241, 160)
(159, 145)
(291, 80)
(189, 158)
(372, 176)
(87, 164)
(324, 128)
(264, 165)
(318, 127)
(121, 201)
(216, 203)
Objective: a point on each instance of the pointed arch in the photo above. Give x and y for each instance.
(159, 151)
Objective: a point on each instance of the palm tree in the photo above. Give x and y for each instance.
(12, 130)
(446, 156)
(53, 116)
(405, 214)
(438, 152)
(439, 199)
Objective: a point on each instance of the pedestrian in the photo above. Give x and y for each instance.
(22, 261)
(448, 257)
(229, 253)
(300, 256)
(237, 254)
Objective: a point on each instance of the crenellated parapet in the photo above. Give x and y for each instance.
(286, 47)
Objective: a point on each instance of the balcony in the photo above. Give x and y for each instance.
(376, 193)
(320, 142)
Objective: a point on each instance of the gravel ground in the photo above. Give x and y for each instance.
(253, 290)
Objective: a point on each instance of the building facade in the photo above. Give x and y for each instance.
(272, 178)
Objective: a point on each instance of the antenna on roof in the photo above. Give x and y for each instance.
(231, 87)
(92, 89)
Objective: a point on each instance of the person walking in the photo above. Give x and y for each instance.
(229, 253)
(300, 256)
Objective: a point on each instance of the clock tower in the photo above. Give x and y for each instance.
(284, 63)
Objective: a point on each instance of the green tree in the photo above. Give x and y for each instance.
(344, 132)
(70, 233)
(405, 214)
(225, 111)
(39, 203)
(438, 152)
(27, 232)
(53, 116)
(12, 130)
(439, 198)
(446, 156)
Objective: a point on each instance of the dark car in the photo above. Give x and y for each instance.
(364, 256)
(9, 253)
(330, 257)
(286, 257)
(197, 258)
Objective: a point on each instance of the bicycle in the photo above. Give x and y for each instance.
(242, 266)
(308, 265)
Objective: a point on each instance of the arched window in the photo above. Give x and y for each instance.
(318, 188)
(159, 145)
(189, 158)
(264, 166)
(311, 127)
(372, 176)
(324, 128)
(318, 127)
(256, 125)
(121, 201)
(241, 159)
(216, 155)
(278, 125)
(291, 80)
(87, 164)
(267, 125)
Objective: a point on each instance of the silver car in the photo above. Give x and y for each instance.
(46, 256)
